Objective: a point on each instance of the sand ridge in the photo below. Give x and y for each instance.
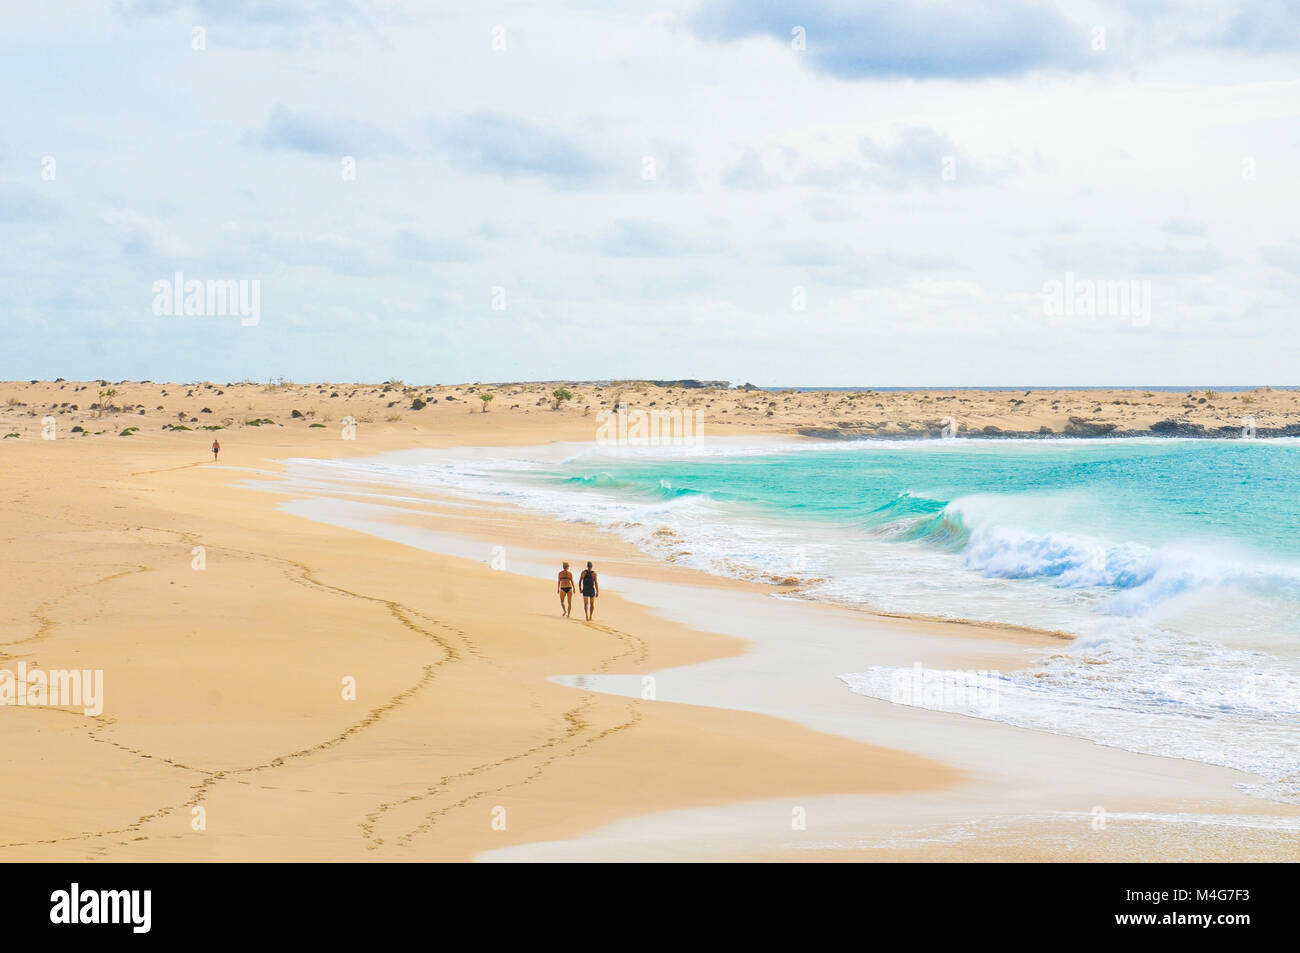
(515, 410)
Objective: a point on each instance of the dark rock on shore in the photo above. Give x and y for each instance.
(828, 433)
(1170, 428)
(1177, 428)
(1089, 428)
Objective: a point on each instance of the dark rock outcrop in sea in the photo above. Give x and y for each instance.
(1077, 428)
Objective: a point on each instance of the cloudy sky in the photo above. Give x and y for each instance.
(838, 193)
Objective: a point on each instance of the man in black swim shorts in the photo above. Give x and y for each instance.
(590, 590)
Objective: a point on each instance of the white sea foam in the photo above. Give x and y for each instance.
(1165, 662)
(1199, 702)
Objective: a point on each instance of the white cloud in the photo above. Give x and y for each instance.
(524, 169)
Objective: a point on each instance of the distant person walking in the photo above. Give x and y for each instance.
(216, 449)
(564, 586)
(590, 590)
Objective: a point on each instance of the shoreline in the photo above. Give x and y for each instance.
(222, 686)
(533, 520)
(1214, 786)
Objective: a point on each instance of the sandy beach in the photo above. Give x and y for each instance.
(914, 382)
(279, 686)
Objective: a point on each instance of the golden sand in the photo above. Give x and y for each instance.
(227, 733)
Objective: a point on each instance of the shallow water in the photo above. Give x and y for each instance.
(1175, 563)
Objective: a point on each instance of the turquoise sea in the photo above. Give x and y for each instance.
(1174, 563)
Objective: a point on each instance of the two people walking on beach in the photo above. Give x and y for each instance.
(586, 582)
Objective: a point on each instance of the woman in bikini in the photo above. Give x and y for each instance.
(564, 586)
(590, 590)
